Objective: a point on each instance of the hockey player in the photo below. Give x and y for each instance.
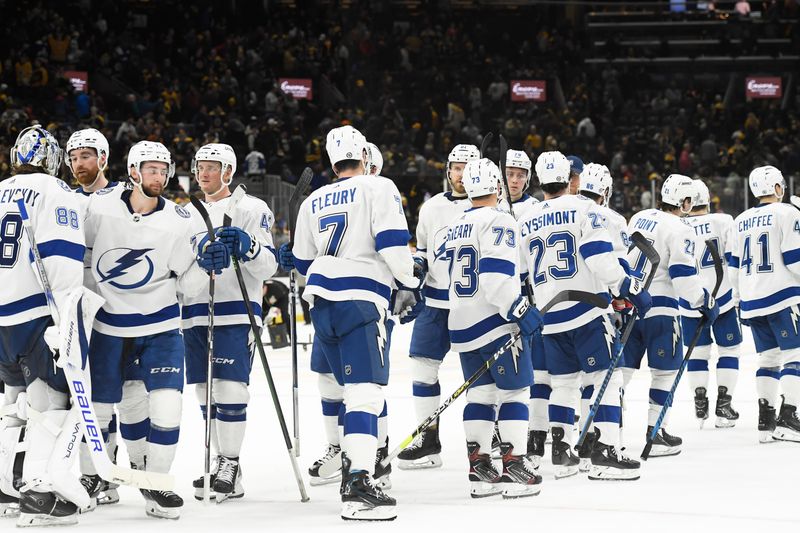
(375, 162)
(87, 159)
(575, 169)
(570, 246)
(35, 388)
(351, 243)
(659, 334)
(249, 239)
(486, 306)
(141, 257)
(765, 270)
(717, 227)
(429, 339)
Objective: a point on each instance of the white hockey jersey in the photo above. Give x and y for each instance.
(717, 227)
(253, 216)
(58, 230)
(139, 263)
(765, 259)
(83, 200)
(481, 252)
(522, 208)
(434, 218)
(676, 276)
(351, 241)
(569, 248)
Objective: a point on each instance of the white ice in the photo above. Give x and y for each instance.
(724, 480)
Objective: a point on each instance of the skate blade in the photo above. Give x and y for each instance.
(364, 512)
(483, 489)
(512, 491)
(701, 422)
(584, 465)
(319, 481)
(45, 520)
(562, 472)
(9, 510)
(222, 497)
(786, 434)
(108, 497)
(429, 461)
(724, 423)
(167, 513)
(664, 451)
(766, 437)
(536, 461)
(198, 495)
(384, 483)
(89, 508)
(606, 473)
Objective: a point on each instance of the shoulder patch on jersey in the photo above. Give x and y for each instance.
(182, 211)
(105, 191)
(63, 185)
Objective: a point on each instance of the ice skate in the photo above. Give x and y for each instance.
(585, 451)
(536, 441)
(701, 405)
(423, 452)
(608, 463)
(9, 506)
(726, 416)
(45, 509)
(162, 504)
(198, 483)
(788, 425)
(664, 444)
(483, 476)
(767, 422)
(328, 468)
(228, 482)
(519, 479)
(382, 475)
(565, 463)
(361, 499)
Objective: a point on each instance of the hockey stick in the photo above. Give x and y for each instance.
(795, 201)
(226, 221)
(564, 296)
(299, 191)
(638, 241)
(209, 356)
(485, 142)
(75, 350)
(712, 248)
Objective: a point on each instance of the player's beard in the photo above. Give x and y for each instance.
(85, 177)
(153, 189)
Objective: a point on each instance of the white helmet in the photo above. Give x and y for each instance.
(148, 151)
(764, 179)
(701, 194)
(481, 177)
(37, 147)
(552, 167)
(677, 188)
(596, 179)
(519, 159)
(463, 153)
(219, 152)
(375, 159)
(346, 143)
(89, 138)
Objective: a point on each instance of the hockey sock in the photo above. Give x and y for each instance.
(539, 403)
(165, 419)
(661, 382)
(363, 402)
(111, 443)
(231, 399)
(697, 367)
(587, 392)
(331, 393)
(200, 392)
(512, 419)
(608, 417)
(728, 368)
(383, 426)
(425, 386)
(480, 415)
(562, 401)
(790, 380)
(768, 376)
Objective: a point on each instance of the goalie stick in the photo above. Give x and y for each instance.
(712, 248)
(237, 195)
(637, 241)
(75, 348)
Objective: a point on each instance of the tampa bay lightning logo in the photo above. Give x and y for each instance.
(63, 185)
(125, 268)
(182, 211)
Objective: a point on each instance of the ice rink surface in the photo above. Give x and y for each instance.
(724, 480)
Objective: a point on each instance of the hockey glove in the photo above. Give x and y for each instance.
(240, 244)
(420, 268)
(527, 318)
(213, 257)
(709, 309)
(632, 290)
(52, 336)
(623, 312)
(286, 257)
(407, 304)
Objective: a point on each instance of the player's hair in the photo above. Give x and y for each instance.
(346, 164)
(26, 169)
(554, 188)
(592, 196)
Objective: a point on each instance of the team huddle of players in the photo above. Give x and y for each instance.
(489, 270)
(485, 263)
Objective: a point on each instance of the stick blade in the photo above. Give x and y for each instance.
(198, 204)
(234, 200)
(485, 142)
(301, 187)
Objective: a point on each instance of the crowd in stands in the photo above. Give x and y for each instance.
(188, 74)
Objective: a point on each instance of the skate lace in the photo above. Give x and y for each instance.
(227, 469)
(330, 453)
(418, 441)
(90, 483)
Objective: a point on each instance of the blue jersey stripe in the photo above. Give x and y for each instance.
(572, 312)
(733, 261)
(722, 300)
(129, 320)
(768, 301)
(220, 309)
(665, 301)
(350, 283)
(681, 271)
(462, 336)
(60, 248)
(489, 265)
(595, 248)
(22, 305)
(302, 265)
(390, 238)
(436, 294)
(791, 257)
